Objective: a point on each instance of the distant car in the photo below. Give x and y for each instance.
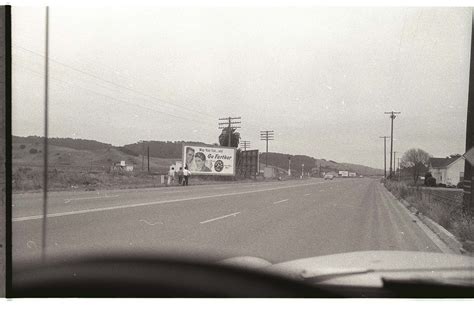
(329, 176)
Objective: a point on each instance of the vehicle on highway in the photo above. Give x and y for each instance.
(329, 176)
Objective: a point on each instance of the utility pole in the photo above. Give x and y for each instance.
(45, 154)
(143, 154)
(392, 117)
(245, 144)
(394, 161)
(266, 135)
(468, 181)
(289, 165)
(148, 154)
(385, 155)
(302, 170)
(230, 125)
(399, 173)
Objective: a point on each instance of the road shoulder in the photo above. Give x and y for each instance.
(443, 239)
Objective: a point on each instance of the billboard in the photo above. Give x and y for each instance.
(248, 163)
(209, 160)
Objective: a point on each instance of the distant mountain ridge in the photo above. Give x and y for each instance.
(173, 150)
(310, 163)
(73, 143)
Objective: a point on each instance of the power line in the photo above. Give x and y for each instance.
(245, 144)
(115, 84)
(113, 98)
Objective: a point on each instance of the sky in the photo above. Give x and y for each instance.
(320, 78)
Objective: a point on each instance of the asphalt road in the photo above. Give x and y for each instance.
(278, 221)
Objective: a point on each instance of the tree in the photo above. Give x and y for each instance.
(224, 138)
(417, 161)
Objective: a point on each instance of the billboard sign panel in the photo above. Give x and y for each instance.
(209, 160)
(248, 163)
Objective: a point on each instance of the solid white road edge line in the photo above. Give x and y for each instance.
(278, 202)
(217, 218)
(90, 198)
(95, 210)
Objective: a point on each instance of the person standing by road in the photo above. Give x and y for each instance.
(186, 174)
(180, 175)
(171, 175)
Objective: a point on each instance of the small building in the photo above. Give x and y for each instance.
(351, 174)
(270, 172)
(449, 170)
(121, 167)
(344, 173)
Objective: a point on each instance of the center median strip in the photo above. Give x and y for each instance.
(102, 209)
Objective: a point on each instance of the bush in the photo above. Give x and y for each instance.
(460, 185)
(33, 151)
(22, 146)
(399, 189)
(430, 181)
(441, 215)
(441, 185)
(464, 229)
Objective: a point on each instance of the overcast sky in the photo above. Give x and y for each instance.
(320, 78)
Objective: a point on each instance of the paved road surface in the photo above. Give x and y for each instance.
(278, 221)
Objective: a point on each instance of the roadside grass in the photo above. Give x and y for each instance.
(30, 179)
(27, 179)
(451, 217)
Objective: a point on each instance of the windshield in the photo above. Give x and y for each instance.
(269, 132)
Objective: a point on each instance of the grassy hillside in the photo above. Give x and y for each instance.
(31, 154)
(78, 144)
(160, 149)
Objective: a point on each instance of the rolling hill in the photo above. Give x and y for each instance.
(93, 155)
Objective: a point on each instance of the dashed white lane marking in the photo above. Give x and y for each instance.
(278, 202)
(102, 209)
(217, 218)
(308, 194)
(90, 198)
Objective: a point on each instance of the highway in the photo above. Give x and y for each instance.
(278, 221)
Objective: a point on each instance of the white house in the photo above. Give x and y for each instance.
(449, 171)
